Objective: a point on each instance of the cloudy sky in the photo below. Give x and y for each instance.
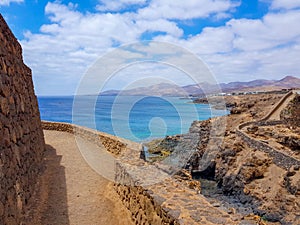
(239, 40)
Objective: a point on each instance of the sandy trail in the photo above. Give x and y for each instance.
(76, 194)
(276, 114)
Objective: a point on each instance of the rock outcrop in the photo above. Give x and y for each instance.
(248, 173)
(21, 137)
(291, 115)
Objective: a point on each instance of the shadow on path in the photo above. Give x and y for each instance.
(56, 208)
(77, 195)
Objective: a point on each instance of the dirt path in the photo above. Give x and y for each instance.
(76, 194)
(276, 114)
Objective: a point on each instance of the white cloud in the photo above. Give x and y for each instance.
(245, 34)
(209, 41)
(141, 73)
(72, 41)
(242, 49)
(7, 2)
(212, 40)
(274, 30)
(268, 64)
(162, 25)
(246, 49)
(285, 4)
(109, 5)
(170, 9)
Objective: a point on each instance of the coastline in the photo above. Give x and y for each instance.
(129, 122)
(135, 176)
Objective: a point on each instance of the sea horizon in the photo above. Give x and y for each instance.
(137, 118)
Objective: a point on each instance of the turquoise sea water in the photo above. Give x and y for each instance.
(135, 118)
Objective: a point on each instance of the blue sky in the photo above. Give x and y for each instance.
(237, 40)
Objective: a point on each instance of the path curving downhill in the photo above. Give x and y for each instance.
(76, 194)
(280, 158)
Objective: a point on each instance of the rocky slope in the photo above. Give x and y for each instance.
(246, 178)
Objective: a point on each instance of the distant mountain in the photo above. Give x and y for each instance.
(202, 88)
(162, 89)
(239, 85)
(110, 92)
(288, 82)
(268, 85)
(166, 89)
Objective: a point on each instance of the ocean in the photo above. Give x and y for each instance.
(135, 118)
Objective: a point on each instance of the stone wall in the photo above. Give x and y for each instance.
(149, 193)
(156, 198)
(144, 208)
(291, 114)
(276, 107)
(280, 159)
(111, 143)
(21, 137)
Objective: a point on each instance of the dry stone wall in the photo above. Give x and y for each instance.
(21, 137)
(280, 159)
(144, 205)
(111, 143)
(277, 106)
(151, 195)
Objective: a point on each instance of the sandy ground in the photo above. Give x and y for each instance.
(76, 193)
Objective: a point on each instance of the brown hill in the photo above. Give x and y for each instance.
(166, 89)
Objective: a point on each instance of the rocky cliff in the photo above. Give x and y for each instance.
(256, 175)
(21, 137)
